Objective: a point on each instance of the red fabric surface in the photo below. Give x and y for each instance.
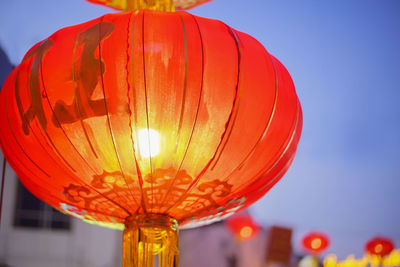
(226, 112)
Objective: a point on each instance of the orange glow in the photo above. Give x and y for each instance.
(378, 248)
(246, 232)
(149, 113)
(316, 243)
(242, 226)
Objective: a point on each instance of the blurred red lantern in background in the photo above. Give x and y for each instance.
(379, 246)
(242, 226)
(149, 118)
(315, 242)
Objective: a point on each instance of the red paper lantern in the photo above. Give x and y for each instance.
(379, 246)
(242, 226)
(315, 242)
(149, 116)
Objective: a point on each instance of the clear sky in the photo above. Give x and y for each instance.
(344, 58)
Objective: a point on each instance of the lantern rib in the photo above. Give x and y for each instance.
(281, 172)
(13, 134)
(190, 187)
(291, 138)
(147, 110)
(109, 122)
(195, 181)
(28, 124)
(236, 103)
(277, 89)
(266, 129)
(77, 151)
(271, 181)
(140, 178)
(77, 104)
(184, 84)
(237, 99)
(197, 110)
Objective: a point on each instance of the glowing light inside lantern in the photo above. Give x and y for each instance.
(246, 232)
(378, 248)
(149, 143)
(316, 243)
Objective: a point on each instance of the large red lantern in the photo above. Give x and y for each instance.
(379, 246)
(315, 242)
(242, 226)
(146, 120)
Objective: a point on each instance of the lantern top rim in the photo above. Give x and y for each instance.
(160, 5)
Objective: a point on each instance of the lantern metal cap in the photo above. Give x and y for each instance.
(151, 220)
(159, 5)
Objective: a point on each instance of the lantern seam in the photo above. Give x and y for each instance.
(237, 100)
(196, 116)
(140, 179)
(76, 102)
(266, 129)
(196, 180)
(12, 131)
(13, 134)
(184, 84)
(69, 140)
(23, 118)
(280, 173)
(237, 90)
(108, 117)
(81, 182)
(290, 138)
(147, 109)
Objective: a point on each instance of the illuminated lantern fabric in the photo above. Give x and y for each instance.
(149, 116)
(137, 4)
(379, 246)
(242, 226)
(315, 242)
(222, 115)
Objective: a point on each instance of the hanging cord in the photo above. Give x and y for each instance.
(3, 176)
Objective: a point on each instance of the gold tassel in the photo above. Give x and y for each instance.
(150, 238)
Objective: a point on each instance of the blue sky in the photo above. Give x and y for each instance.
(344, 58)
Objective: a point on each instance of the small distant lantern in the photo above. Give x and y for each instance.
(243, 226)
(379, 246)
(315, 242)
